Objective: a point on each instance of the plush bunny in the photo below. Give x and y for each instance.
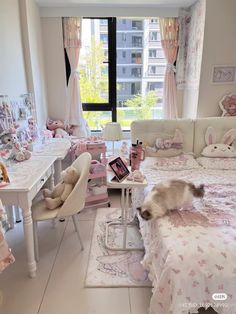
(62, 190)
(57, 127)
(223, 149)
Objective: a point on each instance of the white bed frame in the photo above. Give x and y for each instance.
(194, 131)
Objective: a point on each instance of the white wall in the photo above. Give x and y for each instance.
(97, 10)
(33, 51)
(12, 70)
(219, 49)
(54, 66)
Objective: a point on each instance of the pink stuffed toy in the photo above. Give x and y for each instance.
(57, 127)
(228, 105)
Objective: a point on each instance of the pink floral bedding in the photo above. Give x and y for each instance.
(191, 255)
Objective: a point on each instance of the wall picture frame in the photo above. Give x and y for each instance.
(224, 74)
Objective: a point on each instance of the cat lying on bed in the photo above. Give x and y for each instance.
(167, 196)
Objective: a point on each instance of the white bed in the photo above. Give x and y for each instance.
(191, 254)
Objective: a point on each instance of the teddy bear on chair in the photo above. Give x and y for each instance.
(62, 190)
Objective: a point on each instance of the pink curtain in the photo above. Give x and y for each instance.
(169, 42)
(72, 43)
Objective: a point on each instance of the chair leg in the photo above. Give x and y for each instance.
(74, 218)
(36, 244)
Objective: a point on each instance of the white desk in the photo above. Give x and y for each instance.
(56, 147)
(27, 178)
(125, 187)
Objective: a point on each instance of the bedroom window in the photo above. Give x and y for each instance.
(120, 77)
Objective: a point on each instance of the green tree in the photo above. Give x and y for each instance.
(93, 80)
(142, 105)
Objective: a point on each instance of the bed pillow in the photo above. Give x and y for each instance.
(166, 146)
(171, 152)
(222, 149)
(217, 163)
(181, 162)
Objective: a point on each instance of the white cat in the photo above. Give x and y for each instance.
(167, 196)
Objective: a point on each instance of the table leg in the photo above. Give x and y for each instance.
(122, 201)
(25, 205)
(57, 171)
(10, 216)
(17, 214)
(126, 206)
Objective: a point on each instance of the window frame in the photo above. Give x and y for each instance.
(112, 93)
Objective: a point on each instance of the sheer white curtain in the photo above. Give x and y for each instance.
(72, 43)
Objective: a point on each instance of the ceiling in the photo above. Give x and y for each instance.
(156, 3)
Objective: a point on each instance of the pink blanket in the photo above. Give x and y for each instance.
(191, 255)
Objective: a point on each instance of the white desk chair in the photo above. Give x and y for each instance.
(73, 204)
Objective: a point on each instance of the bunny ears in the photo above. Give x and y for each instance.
(228, 138)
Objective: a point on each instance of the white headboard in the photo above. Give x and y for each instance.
(220, 124)
(148, 130)
(193, 130)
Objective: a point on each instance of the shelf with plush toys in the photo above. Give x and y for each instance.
(97, 186)
(97, 193)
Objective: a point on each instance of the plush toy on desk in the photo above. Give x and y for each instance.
(10, 142)
(33, 129)
(62, 190)
(57, 127)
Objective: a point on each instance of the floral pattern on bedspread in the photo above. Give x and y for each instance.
(191, 254)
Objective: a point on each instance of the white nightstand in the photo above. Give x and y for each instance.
(125, 187)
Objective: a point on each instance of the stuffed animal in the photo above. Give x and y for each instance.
(10, 142)
(62, 190)
(124, 149)
(3, 174)
(33, 129)
(228, 105)
(222, 149)
(57, 127)
(167, 147)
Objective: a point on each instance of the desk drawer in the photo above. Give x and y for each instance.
(43, 179)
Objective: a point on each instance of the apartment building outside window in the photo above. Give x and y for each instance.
(137, 41)
(138, 25)
(121, 74)
(136, 57)
(153, 36)
(136, 72)
(152, 53)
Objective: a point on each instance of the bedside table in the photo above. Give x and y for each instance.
(125, 187)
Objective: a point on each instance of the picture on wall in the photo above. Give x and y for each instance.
(223, 74)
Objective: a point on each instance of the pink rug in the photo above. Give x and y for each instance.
(107, 268)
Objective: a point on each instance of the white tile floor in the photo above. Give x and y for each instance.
(59, 285)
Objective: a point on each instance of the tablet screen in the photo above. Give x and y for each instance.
(119, 168)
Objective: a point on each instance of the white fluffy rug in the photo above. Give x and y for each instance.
(107, 268)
